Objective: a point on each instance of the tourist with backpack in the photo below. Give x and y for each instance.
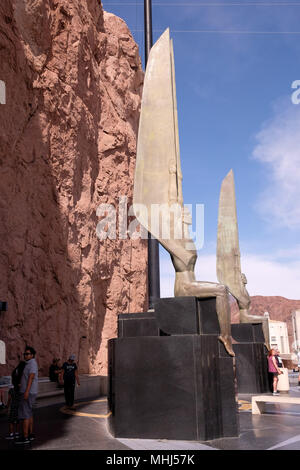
(29, 390)
(13, 402)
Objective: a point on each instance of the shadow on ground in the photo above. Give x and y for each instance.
(56, 429)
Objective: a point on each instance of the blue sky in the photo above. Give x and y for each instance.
(235, 64)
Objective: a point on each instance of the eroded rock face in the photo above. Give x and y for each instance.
(68, 141)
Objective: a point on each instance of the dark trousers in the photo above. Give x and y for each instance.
(69, 389)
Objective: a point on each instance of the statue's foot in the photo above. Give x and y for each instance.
(227, 344)
(247, 318)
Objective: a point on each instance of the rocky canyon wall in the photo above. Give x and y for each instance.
(67, 144)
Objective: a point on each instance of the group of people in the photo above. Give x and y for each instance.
(24, 388)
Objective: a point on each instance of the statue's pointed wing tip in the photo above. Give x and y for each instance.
(165, 33)
(163, 38)
(229, 176)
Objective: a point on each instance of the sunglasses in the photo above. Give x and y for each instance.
(27, 354)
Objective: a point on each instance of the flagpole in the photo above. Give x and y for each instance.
(153, 245)
(148, 28)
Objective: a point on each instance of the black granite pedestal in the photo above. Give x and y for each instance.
(169, 375)
(251, 358)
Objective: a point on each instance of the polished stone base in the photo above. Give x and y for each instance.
(137, 324)
(172, 385)
(251, 358)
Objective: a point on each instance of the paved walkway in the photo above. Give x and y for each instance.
(86, 429)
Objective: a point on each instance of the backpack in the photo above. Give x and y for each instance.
(17, 374)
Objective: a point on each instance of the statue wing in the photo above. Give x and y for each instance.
(228, 251)
(158, 178)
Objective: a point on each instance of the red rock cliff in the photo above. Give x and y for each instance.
(68, 141)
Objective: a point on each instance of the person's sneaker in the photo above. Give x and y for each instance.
(31, 437)
(275, 393)
(22, 441)
(10, 436)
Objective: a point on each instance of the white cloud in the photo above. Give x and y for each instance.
(278, 148)
(266, 275)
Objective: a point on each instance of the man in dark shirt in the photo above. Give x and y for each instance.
(70, 375)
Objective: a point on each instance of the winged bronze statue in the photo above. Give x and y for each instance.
(158, 182)
(228, 255)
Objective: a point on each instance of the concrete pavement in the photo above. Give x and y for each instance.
(85, 428)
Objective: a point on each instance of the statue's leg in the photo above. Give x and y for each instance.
(224, 316)
(265, 327)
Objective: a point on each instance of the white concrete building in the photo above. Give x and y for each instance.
(279, 338)
(296, 329)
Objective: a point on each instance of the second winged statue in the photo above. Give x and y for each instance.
(158, 183)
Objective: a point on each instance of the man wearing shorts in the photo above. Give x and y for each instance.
(28, 391)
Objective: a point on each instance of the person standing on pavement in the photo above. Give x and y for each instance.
(14, 396)
(70, 376)
(273, 369)
(28, 391)
(278, 358)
